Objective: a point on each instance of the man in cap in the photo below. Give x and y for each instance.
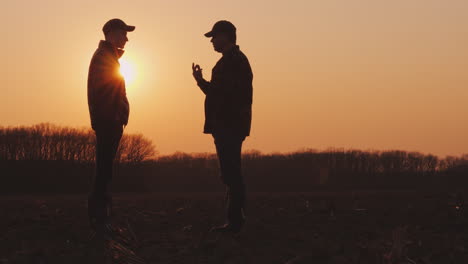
(228, 114)
(109, 111)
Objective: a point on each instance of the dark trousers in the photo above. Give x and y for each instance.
(107, 142)
(228, 149)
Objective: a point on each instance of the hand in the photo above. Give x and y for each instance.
(197, 72)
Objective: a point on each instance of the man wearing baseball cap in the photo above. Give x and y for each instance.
(228, 114)
(109, 111)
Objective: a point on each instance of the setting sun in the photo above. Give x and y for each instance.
(127, 70)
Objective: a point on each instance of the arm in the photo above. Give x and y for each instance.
(124, 108)
(204, 85)
(102, 87)
(236, 84)
(245, 88)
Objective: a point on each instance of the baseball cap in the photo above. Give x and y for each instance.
(116, 24)
(221, 26)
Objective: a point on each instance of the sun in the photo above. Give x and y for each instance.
(127, 70)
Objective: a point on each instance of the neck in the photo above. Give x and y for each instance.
(228, 47)
(112, 44)
(118, 52)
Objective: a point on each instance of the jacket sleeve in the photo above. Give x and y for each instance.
(205, 86)
(232, 85)
(125, 108)
(237, 84)
(244, 89)
(221, 80)
(217, 83)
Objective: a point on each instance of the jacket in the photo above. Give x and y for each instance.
(107, 99)
(228, 101)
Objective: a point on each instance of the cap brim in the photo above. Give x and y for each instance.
(129, 28)
(209, 34)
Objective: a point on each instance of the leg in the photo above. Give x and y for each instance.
(100, 202)
(107, 143)
(229, 150)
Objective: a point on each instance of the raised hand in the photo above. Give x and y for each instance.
(197, 72)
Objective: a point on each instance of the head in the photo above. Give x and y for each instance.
(117, 37)
(222, 35)
(222, 40)
(115, 32)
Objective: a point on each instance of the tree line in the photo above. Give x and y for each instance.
(57, 143)
(65, 155)
(335, 167)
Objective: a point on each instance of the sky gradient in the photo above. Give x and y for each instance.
(364, 74)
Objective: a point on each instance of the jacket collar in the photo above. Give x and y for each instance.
(231, 50)
(108, 46)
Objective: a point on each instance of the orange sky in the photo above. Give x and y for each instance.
(367, 74)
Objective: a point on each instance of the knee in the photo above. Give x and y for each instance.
(236, 185)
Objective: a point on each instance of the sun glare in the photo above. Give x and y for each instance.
(127, 70)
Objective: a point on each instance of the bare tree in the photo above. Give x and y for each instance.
(50, 142)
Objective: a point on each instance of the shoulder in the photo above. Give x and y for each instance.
(100, 54)
(242, 62)
(101, 57)
(237, 54)
(237, 57)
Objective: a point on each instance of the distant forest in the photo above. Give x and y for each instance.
(50, 158)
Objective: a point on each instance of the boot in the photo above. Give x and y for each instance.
(99, 212)
(235, 199)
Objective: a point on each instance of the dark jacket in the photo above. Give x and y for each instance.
(107, 99)
(228, 103)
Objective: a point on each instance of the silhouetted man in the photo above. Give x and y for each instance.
(109, 111)
(228, 114)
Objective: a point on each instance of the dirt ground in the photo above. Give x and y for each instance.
(364, 227)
